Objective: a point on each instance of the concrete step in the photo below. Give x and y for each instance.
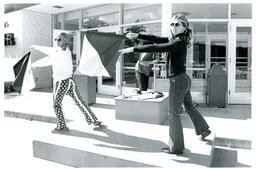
(79, 158)
(121, 144)
(233, 142)
(232, 152)
(16, 144)
(31, 117)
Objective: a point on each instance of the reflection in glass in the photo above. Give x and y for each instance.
(71, 21)
(208, 47)
(199, 60)
(218, 53)
(57, 21)
(241, 11)
(202, 11)
(197, 68)
(134, 13)
(101, 16)
(243, 59)
(218, 38)
(217, 27)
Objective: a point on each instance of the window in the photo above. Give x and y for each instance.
(208, 47)
(57, 21)
(71, 21)
(134, 13)
(218, 41)
(202, 11)
(197, 63)
(241, 11)
(101, 16)
(243, 59)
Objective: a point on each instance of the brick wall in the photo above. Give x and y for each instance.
(29, 28)
(37, 30)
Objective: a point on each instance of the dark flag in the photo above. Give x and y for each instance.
(100, 53)
(24, 80)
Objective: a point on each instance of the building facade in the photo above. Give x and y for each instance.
(221, 34)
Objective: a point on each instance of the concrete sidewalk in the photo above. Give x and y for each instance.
(123, 143)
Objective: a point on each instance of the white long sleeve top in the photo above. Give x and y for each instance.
(61, 61)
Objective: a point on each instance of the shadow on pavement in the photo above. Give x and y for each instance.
(122, 141)
(194, 158)
(126, 142)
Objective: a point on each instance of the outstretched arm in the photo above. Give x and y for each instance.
(163, 47)
(127, 50)
(44, 49)
(152, 38)
(45, 61)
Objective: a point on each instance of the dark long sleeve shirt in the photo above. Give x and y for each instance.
(176, 49)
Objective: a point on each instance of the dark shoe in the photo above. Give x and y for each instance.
(60, 130)
(168, 151)
(138, 91)
(100, 128)
(204, 134)
(97, 123)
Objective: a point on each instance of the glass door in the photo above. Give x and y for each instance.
(218, 52)
(240, 67)
(209, 47)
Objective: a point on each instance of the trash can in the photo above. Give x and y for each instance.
(217, 86)
(87, 88)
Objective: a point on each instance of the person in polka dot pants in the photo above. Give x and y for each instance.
(61, 60)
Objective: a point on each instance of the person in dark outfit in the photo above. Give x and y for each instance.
(142, 70)
(180, 83)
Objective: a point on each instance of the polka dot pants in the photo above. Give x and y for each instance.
(69, 87)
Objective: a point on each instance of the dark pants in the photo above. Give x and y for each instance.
(179, 94)
(142, 80)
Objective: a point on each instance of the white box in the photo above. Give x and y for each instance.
(153, 111)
